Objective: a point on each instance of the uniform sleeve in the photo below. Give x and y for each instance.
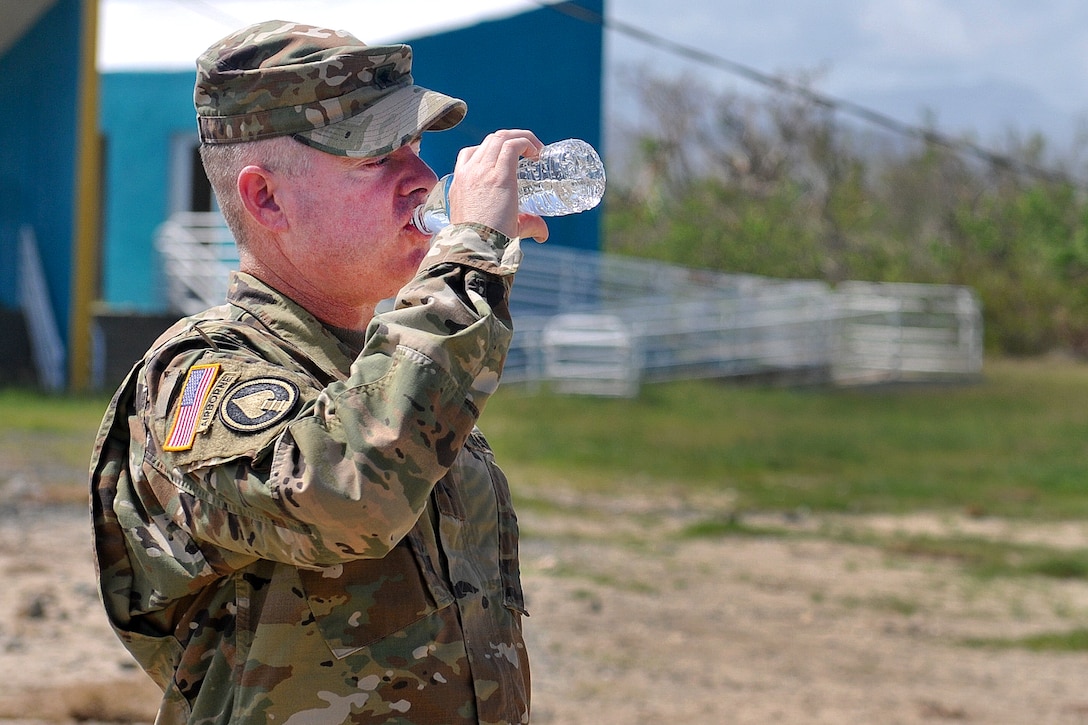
(267, 465)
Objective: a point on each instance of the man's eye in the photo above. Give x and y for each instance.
(377, 161)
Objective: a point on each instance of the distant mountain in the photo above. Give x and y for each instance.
(985, 113)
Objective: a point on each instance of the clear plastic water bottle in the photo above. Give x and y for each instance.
(566, 178)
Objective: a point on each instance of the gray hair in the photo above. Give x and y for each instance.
(223, 162)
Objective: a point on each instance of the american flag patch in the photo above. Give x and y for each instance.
(198, 383)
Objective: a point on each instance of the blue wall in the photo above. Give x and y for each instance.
(39, 85)
(140, 114)
(539, 70)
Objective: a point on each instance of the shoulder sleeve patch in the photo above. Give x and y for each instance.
(190, 411)
(248, 404)
(258, 404)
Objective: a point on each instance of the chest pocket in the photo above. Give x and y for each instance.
(360, 603)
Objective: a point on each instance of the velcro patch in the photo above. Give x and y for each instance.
(258, 404)
(198, 384)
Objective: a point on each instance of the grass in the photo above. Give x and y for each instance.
(1075, 640)
(50, 434)
(981, 557)
(1012, 445)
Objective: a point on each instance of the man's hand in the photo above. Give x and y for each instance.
(485, 188)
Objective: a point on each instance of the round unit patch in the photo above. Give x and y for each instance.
(257, 404)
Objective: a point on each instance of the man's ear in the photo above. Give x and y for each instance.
(257, 188)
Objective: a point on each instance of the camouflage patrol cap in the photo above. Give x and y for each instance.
(324, 87)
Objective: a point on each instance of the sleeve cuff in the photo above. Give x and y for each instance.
(475, 245)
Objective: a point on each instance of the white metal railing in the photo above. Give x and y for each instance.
(197, 253)
(590, 353)
(898, 332)
(597, 323)
(46, 345)
(687, 323)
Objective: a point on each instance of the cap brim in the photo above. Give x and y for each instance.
(387, 124)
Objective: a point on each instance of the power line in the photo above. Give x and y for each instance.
(783, 85)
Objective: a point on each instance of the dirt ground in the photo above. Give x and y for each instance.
(632, 623)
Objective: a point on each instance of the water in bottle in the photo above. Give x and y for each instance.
(566, 178)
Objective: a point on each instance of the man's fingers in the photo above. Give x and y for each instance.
(530, 226)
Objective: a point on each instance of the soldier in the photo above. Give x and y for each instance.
(296, 519)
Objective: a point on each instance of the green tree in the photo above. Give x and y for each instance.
(779, 186)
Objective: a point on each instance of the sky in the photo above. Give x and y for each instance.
(986, 65)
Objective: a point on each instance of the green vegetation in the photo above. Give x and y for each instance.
(1012, 445)
(981, 557)
(29, 411)
(1075, 640)
(51, 432)
(779, 187)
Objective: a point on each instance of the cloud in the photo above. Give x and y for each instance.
(131, 37)
(917, 29)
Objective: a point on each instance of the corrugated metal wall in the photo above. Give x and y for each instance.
(39, 88)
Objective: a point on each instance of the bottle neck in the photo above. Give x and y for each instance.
(433, 215)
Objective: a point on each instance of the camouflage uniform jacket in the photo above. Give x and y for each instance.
(286, 532)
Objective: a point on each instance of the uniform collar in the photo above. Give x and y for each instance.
(290, 322)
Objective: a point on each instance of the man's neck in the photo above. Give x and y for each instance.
(330, 311)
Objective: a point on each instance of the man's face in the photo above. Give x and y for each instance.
(351, 232)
